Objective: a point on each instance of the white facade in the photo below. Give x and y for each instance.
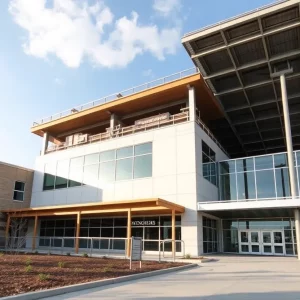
(176, 176)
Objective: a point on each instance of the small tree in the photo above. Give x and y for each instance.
(17, 235)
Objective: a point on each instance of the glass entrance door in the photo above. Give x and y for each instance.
(249, 242)
(266, 242)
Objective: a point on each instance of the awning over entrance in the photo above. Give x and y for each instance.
(126, 207)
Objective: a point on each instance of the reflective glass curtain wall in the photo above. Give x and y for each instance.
(260, 177)
(232, 227)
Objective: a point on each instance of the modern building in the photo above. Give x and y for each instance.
(15, 191)
(208, 156)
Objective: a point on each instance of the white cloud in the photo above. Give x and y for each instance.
(148, 73)
(166, 7)
(74, 30)
(58, 81)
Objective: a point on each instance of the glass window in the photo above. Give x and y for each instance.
(62, 169)
(61, 182)
(49, 177)
(107, 171)
(280, 160)
(244, 165)
(227, 167)
(19, 191)
(151, 233)
(265, 184)
(121, 222)
(282, 183)
(124, 152)
(208, 163)
(107, 155)
(143, 149)
(19, 186)
(91, 159)
(143, 166)
(124, 169)
(90, 174)
(246, 185)
(228, 186)
(264, 162)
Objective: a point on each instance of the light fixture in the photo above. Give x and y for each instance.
(74, 110)
(119, 95)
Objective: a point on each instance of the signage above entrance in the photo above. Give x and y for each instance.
(143, 223)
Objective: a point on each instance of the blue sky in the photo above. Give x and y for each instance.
(57, 54)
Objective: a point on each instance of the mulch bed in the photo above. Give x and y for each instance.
(14, 279)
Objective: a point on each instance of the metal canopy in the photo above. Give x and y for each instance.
(236, 58)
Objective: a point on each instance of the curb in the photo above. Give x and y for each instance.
(93, 284)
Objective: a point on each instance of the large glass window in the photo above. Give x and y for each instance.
(76, 171)
(209, 164)
(142, 166)
(62, 169)
(261, 177)
(107, 166)
(152, 229)
(210, 235)
(124, 169)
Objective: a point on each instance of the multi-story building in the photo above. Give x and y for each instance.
(15, 191)
(204, 156)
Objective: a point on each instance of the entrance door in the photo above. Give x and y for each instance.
(249, 242)
(273, 242)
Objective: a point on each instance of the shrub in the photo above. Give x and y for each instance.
(28, 261)
(28, 268)
(36, 252)
(106, 269)
(61, 264)
(43, 277)
(85, 255)
(1, 254)
(188, 256)
(68, 254)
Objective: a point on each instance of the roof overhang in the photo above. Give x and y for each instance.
(137, 207)
(150, 98)
(236, 58)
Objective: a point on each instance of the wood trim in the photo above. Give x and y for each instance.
(129, 233)
(77, 232)
(125, 100)
(173, 234)
(34, 232)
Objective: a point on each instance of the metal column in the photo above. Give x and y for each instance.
(290, 154)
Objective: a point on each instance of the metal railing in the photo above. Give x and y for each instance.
(102, 246)
(210, 134)
(123, 131)
(118, 95)
(162, 243)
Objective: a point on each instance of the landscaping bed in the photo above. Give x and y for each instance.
(22, 273)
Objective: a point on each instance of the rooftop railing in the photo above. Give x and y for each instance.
(115, 96)
(123, 131)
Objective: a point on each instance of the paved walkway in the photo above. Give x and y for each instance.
(228, 278)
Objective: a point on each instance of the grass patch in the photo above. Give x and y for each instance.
(43, 277)
(28, 269)
(61, 264)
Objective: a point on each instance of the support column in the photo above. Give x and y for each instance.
(113, 121)
(290, 155)
(34, 232)
(192, 103)
(173, 234)
(77, 232)
(128, 233)
(45, 143)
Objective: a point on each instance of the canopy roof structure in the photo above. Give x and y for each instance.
(236, 59)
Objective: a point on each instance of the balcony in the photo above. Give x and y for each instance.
(263, 177)
(146, 124)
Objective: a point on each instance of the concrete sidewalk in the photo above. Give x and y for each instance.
(228, 278)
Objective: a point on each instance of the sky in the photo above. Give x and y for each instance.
(58, 54)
